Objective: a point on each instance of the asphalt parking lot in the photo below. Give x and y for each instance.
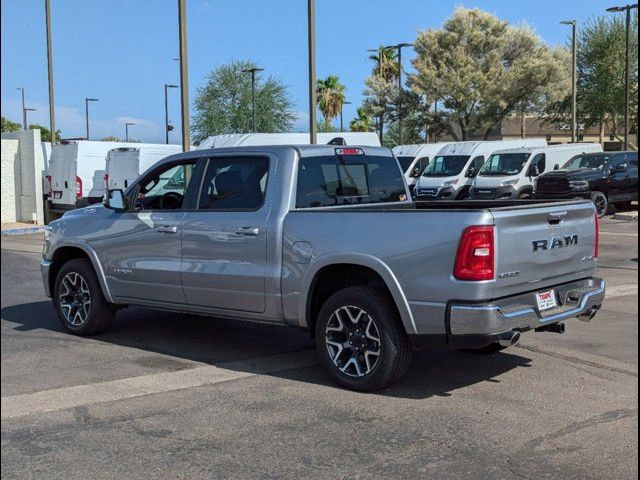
(177, 396)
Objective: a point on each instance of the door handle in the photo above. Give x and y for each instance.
(249, 231)
(167, 229)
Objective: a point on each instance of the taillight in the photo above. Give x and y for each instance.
(50, 185)
(106, 180)
(476, 252)
(596, 252)
(349, 151)
(78, 187)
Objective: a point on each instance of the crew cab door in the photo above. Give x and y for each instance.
(224, 241)
(144, 245)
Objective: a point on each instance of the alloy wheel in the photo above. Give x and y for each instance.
(74, 299)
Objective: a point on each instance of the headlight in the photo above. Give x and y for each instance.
(449, 183)
(579, 185)
(47, 234)
(510, 182)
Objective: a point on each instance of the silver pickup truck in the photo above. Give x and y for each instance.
(326, 239)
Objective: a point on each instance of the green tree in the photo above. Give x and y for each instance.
(45, 133)
(601, 70)
(110, 138)
(389, 70)
(482, 69)
(9, 126)
(223, 105)
(330, 97)
(363, 122)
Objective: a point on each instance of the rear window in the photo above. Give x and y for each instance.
(348, 180)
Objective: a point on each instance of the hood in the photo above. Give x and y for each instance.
(577, 174)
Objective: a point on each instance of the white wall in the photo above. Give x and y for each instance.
(8, 192)
(25, 178)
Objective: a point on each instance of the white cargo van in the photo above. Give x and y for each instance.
(511, 173)
(414, 159)
(125, 164)
(76, 171)
(450, 174)
(257, 139)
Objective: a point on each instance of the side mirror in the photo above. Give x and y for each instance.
(534, 171)
(415, 172)
(623, 167)
(115, 200)
(471, 172)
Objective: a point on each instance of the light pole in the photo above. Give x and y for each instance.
(341, 108)
(253, 71)
(52, 115)
(399, 48)
(627, 68)
(380, 118)
(311, 30)
(86, 111)
(126, 130)
(166, 111)
(574, 86)
(184, 75)
(24, 112)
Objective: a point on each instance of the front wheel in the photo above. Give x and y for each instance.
(78, 299)
(601, 203)
(360, 340)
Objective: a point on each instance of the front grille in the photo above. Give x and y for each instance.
(484, 192)
(553, 184)
(427, 192)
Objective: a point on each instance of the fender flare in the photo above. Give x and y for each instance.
(363, 260)
(95, 262)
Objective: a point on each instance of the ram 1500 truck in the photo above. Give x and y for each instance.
(326, 239)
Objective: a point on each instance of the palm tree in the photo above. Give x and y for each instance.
(389, 69)
(362, 123)
(331, 97)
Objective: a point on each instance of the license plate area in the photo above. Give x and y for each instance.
(57, 195)
(546, 300)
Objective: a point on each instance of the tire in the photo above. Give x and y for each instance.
(601, 202)
(525, 196)
(362, 370)
(75, 285)
(487, 349)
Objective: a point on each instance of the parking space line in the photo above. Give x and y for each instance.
(619, 234)
(101, 392)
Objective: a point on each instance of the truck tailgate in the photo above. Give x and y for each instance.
(542, 246)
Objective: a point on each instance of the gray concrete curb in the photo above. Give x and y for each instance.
(23, 231)
(628, 216)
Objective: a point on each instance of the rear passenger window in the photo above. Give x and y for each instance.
(235, 183)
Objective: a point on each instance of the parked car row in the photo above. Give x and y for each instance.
(520, 169)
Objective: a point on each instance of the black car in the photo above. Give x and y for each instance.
(606, 178)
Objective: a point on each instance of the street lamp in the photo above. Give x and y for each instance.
(399, 48)
(379, 52)
(24, 112)
(184, 75)
(627, 68)
(52, 114)
(253, 71)
(341, 108)
(126, 130)
(311, 31)
(574, 86)
(86, 111)
(166, 111)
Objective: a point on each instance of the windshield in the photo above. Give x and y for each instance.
(405, 162)
(595, 162)
(501, 164)
(446, 166)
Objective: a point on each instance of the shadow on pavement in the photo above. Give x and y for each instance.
(434, 372)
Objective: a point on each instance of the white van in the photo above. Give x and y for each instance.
(511, 173)
(413, 159)
(76, 171)
(258, 139)
(125, 164)
(450, 174)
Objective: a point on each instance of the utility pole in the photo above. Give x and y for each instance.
(24, 111)
(341, 108)
(381, 117)
(166, 112)
(399, 48)
(52, 114)
(184, 75)
(574, 85)
(253, 71)
(126, 130)
(311, 18)
(86, 112)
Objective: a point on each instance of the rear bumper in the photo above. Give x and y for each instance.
(474, 325)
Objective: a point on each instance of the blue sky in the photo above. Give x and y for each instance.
(121, 51)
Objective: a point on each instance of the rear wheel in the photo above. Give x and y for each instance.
(78, 299)
(601, 203)
(360, 340)
(525, 196)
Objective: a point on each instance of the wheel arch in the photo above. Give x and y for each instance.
(341, 271)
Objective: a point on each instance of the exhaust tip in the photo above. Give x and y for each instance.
(508, 339)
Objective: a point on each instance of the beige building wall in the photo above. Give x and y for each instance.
(9, 195)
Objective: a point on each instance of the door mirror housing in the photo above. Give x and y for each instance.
(534, 171)
(415, 172)
(472, 172)
(623, 167)
(115, 200)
